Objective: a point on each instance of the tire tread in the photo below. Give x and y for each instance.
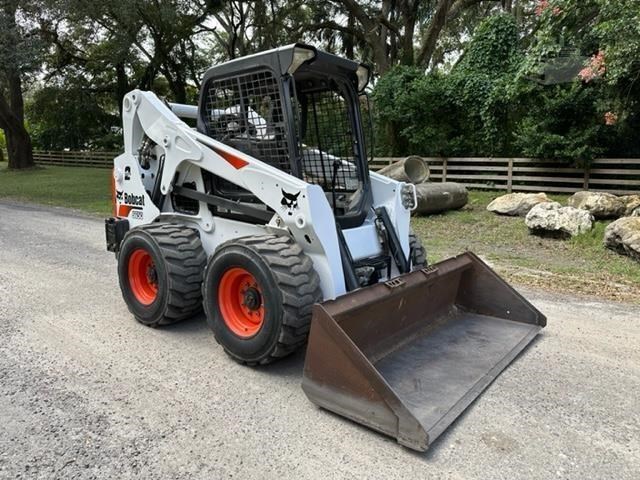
(185, 261)
(299, 285)
(418, 252)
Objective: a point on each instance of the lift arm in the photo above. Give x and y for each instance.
(299, 207)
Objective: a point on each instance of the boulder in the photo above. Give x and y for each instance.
(551, 218)
(632, 204)
(440, 197)
(599, 204)
(623, 236)
(516, 204)
(412, 169)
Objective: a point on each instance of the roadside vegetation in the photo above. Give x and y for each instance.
(86, 189)
(579, 265)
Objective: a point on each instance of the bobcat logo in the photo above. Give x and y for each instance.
(289, 201)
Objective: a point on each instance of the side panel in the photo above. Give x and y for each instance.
(132, 200)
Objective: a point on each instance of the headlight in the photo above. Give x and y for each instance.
(300, 55)
(363, 73)
(408, 196)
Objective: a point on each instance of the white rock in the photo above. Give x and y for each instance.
(623, 236)
(516, 204)
(632, 204)
(553, 218)
(599, 204)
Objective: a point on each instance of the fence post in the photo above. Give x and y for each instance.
(510, 176)
(444, 169)
(585, 184)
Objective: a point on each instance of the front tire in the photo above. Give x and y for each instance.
(258, 292)
(160, 270)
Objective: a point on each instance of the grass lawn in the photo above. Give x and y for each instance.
(578, 265)
(87, 189)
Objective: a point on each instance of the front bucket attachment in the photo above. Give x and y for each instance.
(406, 357)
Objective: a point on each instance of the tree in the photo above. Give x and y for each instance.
(136, 41)
(72, 115)
(466, 111)
(393, 32)
(244, 27)
(606, 33)
(18, 57)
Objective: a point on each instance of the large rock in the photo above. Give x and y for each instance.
(551, 218)
(516, 204)
(623, 236)
(440, 197)
(632, 204)
(599, 204)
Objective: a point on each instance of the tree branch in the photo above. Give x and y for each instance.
(331, 25)
(430, 38)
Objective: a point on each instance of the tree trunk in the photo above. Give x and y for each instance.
(122, 84)
(409, 15)
(177, 85)
(348, 40)
(430, 39)
(19, 148)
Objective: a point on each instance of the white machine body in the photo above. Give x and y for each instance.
(308, 218)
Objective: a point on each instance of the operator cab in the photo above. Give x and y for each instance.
(298, 110)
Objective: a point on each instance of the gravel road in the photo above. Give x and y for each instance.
(87, 392)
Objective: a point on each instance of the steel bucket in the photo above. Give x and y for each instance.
(408, 356)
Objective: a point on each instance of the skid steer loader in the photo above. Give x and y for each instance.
(266, 215)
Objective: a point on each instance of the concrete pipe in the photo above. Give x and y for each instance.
(412, 169)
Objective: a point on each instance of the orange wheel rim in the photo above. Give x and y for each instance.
(143, 277)
(241, 302)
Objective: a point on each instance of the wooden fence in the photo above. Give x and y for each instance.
(619, 176)
(75, 159)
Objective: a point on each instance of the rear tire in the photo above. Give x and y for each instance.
(258, 292)
(418, 252)
(160, 269)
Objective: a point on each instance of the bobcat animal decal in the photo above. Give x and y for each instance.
(289, 201)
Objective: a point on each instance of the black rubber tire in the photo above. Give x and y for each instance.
(290, 287)
(418, 252)
(179, 260)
